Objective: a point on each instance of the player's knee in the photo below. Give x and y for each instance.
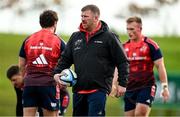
(141, 112)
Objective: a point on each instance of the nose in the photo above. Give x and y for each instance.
(128, 31)
(82, 18)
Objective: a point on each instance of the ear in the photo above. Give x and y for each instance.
(55, 24)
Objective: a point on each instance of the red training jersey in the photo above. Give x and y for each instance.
(141, 56)
(41, 51)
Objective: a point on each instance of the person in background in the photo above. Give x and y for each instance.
(38, 56)
(95, 51)
(13, 74)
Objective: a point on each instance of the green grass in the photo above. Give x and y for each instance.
(9, 50)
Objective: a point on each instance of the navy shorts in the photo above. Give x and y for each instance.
(144, 95)
(40, 96)
(92, 104)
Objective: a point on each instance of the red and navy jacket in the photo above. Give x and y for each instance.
(141, 56)
(41, 51)
(95, 59)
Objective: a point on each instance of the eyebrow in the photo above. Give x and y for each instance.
(129, 28)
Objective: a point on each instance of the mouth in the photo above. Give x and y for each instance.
(16, 85)
(84, 22)
(130, 36)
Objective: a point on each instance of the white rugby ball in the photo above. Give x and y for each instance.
(69, 77)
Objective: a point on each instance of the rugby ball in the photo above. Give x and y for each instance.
(68, 78)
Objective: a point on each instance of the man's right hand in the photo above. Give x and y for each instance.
(120, 91)
(57, 79)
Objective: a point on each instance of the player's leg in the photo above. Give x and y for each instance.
(50, 113)
(130, 113)
(130, 103)
(142, 110)
(29, 101)
(80, 106)
(144, 101)
(97, 102)
(48, 100)
(29, 111)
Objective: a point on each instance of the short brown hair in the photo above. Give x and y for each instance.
(92, 8)
(134, 19)
(48, 18)
(12, 70)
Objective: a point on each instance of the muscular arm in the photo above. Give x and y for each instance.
(159, 63)
(22, 59)
(114, 84)
(117, 90)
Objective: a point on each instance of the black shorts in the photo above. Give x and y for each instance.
(41, 96)
(144, 95)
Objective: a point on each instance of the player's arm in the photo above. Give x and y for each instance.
(157, 57)
(117, 90)
(159, 63)
(114, 84)
(22, 64)
(64, 62)
(22, 59)
(120, 60)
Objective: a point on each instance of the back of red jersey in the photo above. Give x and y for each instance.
(42, 51)
(141, 56)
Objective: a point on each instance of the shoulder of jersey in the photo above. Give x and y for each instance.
(152, 42)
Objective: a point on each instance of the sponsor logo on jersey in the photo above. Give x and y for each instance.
(126, 49)
(137, 58)
(41, 46)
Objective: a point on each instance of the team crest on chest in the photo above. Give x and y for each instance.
(126, 49)
(143, 48)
